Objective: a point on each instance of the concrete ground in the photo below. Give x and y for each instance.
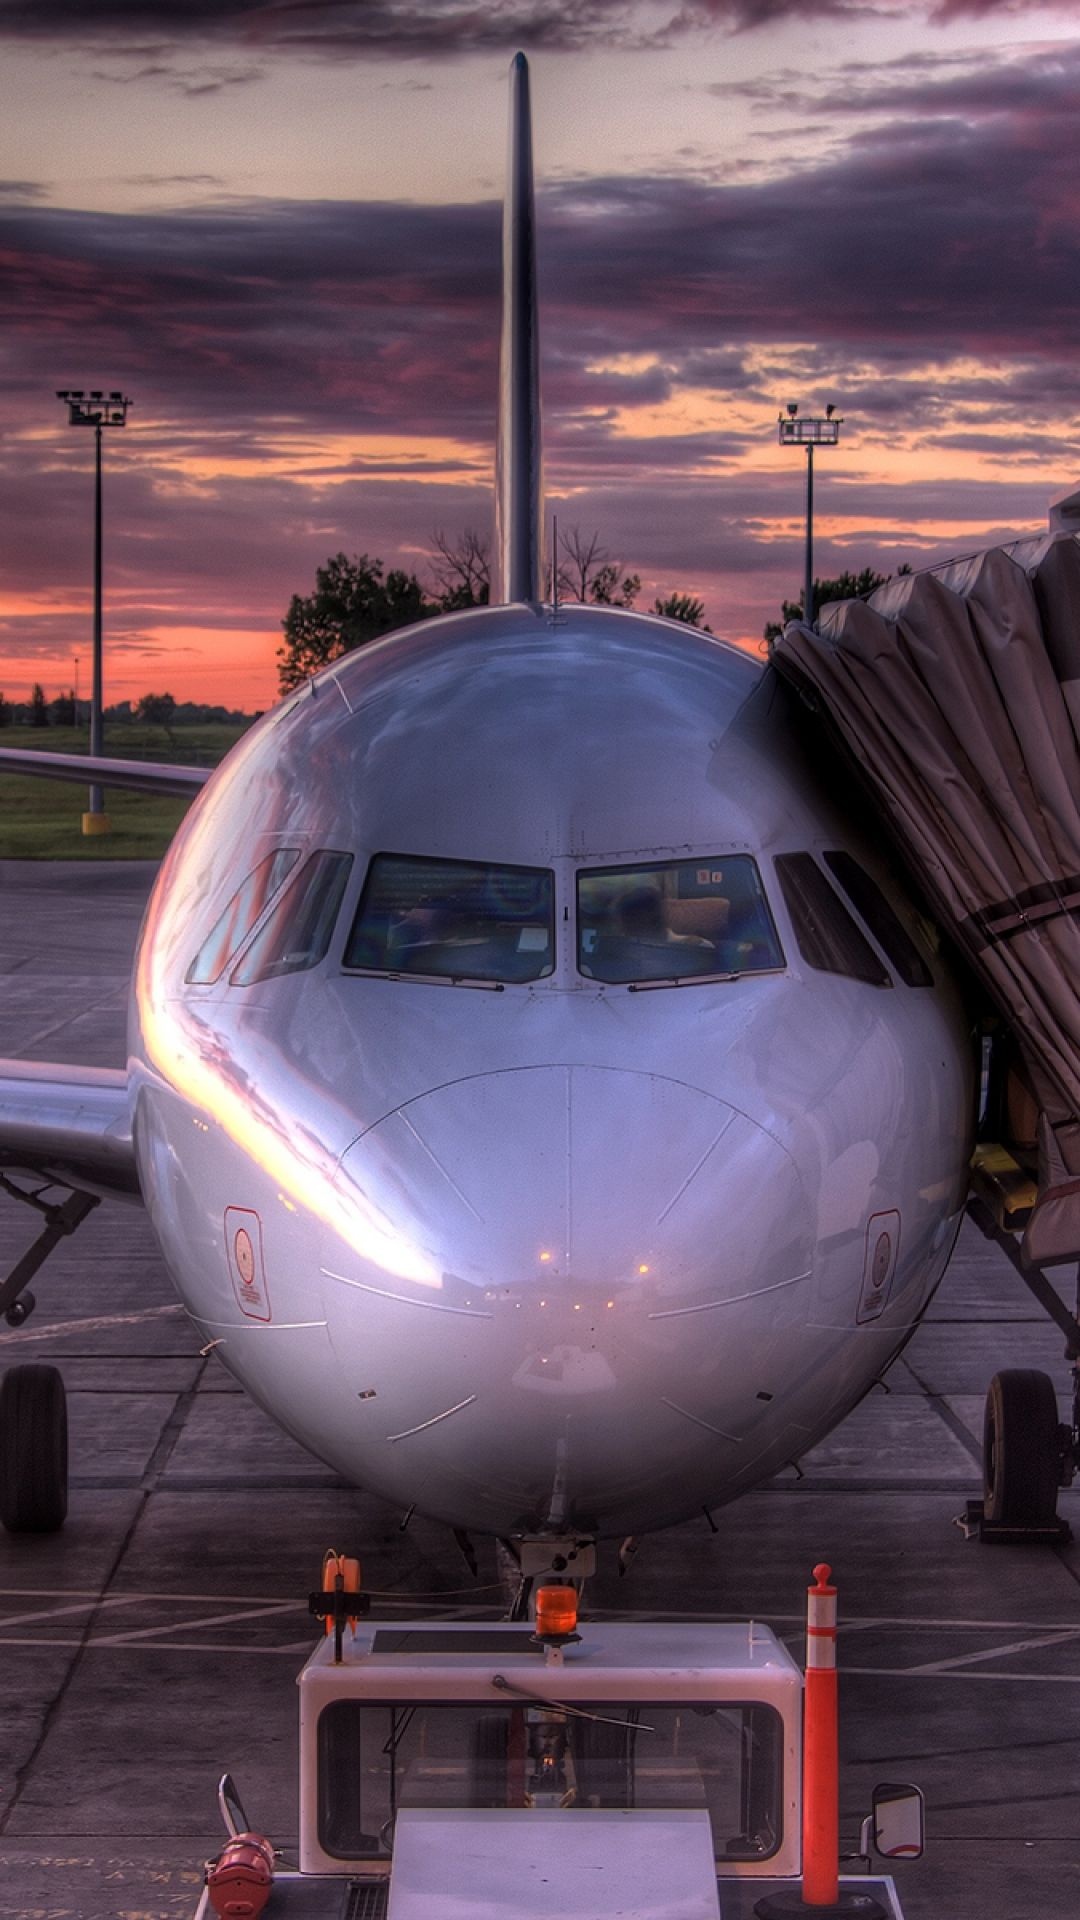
(156, 1639)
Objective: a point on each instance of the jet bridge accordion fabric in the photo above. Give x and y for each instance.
(957, 692)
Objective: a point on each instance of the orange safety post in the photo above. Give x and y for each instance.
(821, 1748)
(336, 1566)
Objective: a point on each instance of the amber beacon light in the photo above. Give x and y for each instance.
(556, 1613)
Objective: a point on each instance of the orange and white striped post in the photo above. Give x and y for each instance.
(821, 1748)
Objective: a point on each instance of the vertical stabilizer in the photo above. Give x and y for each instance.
(519, 501)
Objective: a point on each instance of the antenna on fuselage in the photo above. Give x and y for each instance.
(519, 502)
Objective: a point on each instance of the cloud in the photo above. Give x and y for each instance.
(322, 375)
(447, 28)
(18, 190)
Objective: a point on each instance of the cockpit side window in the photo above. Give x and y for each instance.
(454, 919)
(827, 935)
(872, 907)
(675, 921)
(232, 927)
(299, 929)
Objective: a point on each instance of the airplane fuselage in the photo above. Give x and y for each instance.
(551, 1252)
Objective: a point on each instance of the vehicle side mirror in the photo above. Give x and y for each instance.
(897, 1823)
(231, 1807)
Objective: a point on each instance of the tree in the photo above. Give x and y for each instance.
(586, 573)
(846, 586)
(5, 711)
(157, 710)
(62, 709)
(39, 712)
(462, 570)
(682, 606)
(352, 603)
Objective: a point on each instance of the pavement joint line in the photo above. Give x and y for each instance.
(116, 996)
(950, 1419)
(24, 1774)
(171, 1431)
(167, 1440)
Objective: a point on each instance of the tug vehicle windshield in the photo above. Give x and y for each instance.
(375, 1760)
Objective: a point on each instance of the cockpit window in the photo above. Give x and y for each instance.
(454, 919)
(673, 921)
(827, 935)
(298, 931)
(232, 927)
(888, 930)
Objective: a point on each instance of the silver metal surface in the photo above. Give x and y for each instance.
(558, 1257)
(564, 1256)
(596, 1863)
(519, 501)
(72, 1123)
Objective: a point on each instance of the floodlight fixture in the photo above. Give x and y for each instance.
(819, 431)
(98, 410)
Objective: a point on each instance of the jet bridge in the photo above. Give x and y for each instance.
(956, 692)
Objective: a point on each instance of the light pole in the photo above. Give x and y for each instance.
(97, 410)
(809, 434)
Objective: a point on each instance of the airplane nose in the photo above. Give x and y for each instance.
(546, 1178)
(570, 1280)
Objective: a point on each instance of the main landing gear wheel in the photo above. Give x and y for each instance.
(1021, 1450)
(33, 1450)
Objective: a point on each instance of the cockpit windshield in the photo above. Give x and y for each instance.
(454, 919)
(675, 921)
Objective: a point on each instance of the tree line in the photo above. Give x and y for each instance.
(153, 709)
(356, 600)
(846, 586)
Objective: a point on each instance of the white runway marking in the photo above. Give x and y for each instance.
(271, 1609)
(179, 1635)
(1033, 1645)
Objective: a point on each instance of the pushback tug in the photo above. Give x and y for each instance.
(647, 1771)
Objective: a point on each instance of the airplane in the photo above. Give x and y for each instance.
(544, 1090)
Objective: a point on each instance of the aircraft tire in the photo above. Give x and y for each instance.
(1021, 1467)
(33, 1450)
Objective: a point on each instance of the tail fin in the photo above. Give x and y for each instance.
(519, 499)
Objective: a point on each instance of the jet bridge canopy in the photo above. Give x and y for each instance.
(957, 694)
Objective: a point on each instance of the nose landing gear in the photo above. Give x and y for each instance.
(1028, 1453)
(1024, 1448)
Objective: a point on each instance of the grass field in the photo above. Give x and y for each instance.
(42, 819)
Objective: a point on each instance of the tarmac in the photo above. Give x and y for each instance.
(156, 1639)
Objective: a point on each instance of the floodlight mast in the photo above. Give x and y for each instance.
(96, 409)
(809, 433)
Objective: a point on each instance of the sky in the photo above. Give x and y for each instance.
(274, 224)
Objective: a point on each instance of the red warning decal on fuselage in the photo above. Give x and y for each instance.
(879, 1263)
(243, 1245)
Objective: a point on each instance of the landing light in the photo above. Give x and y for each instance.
(643, 1269)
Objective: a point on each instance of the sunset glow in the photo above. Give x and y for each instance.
(280, 236)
